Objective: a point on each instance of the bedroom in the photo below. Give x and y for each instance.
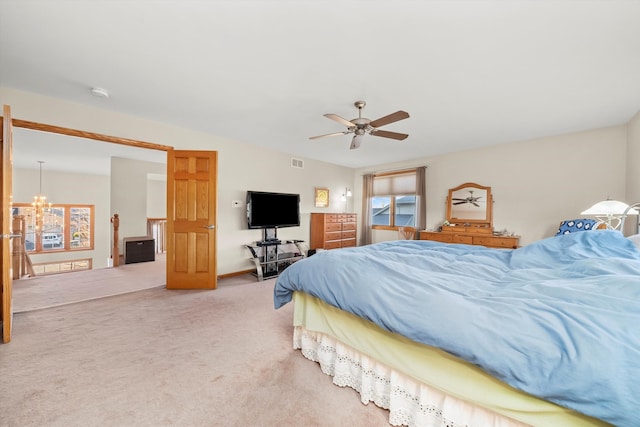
(538, 178)
(539, 175)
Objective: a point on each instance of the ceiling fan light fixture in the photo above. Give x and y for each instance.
(361, 126)
(99, 92)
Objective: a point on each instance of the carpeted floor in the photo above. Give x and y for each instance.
(169, 358)
(58, 289)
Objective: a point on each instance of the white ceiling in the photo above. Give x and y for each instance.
(470, 73)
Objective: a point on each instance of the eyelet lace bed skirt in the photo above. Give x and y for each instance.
(409, 402)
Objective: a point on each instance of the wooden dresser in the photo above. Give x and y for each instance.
(333, 230)
(482, 236)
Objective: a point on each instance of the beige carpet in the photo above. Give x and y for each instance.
(169, 358)
(66, 288)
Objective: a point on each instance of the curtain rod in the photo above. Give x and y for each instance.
(384, 171)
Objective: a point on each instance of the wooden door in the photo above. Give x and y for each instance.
(5, 218)
(191, 219)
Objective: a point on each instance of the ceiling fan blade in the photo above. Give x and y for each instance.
(330, 134)
(387, 134)
(393, 117)
(459, 203)
(340, 120)
(356, 141)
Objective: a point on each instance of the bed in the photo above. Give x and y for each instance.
(461, 335)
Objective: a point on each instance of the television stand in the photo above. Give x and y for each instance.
(271, 257)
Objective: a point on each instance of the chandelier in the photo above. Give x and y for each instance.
(40, 205)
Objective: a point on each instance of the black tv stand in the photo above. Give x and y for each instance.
(269, 242)
(270, 260)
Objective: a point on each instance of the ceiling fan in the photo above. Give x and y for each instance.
(362, 125)
(470, 200)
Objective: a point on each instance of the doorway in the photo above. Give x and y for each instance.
(87, 157)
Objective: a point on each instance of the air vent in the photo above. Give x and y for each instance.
(297, 163)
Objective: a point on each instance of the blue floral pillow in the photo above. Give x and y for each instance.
(573, 225)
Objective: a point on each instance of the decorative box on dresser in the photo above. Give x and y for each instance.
(482, 236)
(333, 230)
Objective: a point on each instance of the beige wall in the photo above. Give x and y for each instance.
(535, 184)
(156, 196)
(241, 167)
(129, 183)
(633, 160)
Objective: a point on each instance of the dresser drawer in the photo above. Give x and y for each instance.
(479, 230)
(333, 235)
(476, 237)
(436, 237)
(467, 240)
(333, 226)
(496, 242)
(348, 243)
(349, 226)
(350, 234)
(333, 244)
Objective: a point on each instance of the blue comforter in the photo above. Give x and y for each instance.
(559, 318)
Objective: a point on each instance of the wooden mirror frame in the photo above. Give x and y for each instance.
(481, 216)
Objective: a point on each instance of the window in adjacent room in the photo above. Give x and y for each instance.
(64, 227)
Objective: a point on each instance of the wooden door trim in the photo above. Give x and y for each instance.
(6, 163)
(89, 135)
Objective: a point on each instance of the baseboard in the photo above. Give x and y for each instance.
(236, 273)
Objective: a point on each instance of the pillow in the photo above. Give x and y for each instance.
(635, 238)
(573, 225)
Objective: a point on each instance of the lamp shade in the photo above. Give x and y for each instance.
(609, 207)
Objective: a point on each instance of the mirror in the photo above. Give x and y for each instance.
(470, 204)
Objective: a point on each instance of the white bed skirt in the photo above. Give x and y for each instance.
(409, 402)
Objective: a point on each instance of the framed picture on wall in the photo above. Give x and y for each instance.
(322, 197)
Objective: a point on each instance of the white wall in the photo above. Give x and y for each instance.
(70, 188)
(535, 184)
(241, 167)
(156, 196)
(633, 159)
(129, 183)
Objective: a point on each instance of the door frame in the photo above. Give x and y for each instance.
(26, 124)
(6, 279)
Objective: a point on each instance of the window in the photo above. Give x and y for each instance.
(64, 227)
(54, 267)
(394, 200)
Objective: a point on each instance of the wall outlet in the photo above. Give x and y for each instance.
(236, 204)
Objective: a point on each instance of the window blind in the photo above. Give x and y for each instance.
(395, 185)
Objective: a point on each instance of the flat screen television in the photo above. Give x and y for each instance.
(272, 210)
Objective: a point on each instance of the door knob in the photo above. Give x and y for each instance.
(10, 236)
